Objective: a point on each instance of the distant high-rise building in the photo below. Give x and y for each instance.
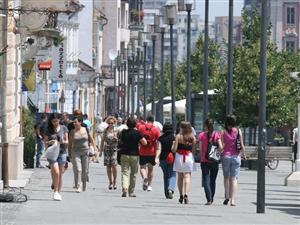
(285, 20)
(222, 29)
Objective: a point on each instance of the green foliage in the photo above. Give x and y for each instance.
(197, 63)
(29, 137)
(281, 90)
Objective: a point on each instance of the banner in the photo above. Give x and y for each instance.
(28, 76)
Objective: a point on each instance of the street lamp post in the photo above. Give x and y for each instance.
(205, 68)
(229, 105)
(153, 110)
(162, 76)
(170, 13)
(145, 75)
(186, 5)
(138, 81)
(260, 207)
(112, 54)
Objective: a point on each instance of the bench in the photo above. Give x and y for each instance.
(279, 152)
(272, 152)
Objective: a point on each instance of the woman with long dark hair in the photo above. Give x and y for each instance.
(209, 168)
(231, 158)
(58, 132)
(165, 156)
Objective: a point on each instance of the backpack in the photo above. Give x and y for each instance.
(149, 136)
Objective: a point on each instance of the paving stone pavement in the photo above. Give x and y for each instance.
(98, 205)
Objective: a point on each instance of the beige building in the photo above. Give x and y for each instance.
(285, 20)
(116, 36)
(11, 148)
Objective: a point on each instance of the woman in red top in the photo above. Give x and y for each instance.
(209, 168)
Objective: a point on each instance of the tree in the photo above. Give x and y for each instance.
(281, 97)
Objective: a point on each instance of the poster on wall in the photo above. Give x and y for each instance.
(28, 76)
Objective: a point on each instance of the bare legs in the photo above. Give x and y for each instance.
(56, 174)
(112, 176)
(183, 183)
(146, 171)
(230, 186)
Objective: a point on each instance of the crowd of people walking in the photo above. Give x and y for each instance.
(139, 145)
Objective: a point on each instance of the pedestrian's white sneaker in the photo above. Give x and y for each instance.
(57, 196)
(78, 190)
(149, 188)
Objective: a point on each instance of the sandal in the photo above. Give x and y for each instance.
(226, 201)
(180, 199)
(110, 187)
(186, 199)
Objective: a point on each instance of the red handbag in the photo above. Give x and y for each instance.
(170, 158)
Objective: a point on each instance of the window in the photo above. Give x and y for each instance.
(290, 15)
(290, 46)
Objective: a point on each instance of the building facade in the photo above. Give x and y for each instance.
(285, 20)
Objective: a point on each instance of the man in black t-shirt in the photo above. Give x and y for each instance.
(129, 148)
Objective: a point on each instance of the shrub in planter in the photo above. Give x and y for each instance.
(29, 138)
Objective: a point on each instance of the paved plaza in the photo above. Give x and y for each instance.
(98, 205)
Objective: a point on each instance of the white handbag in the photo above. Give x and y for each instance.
(52, 152)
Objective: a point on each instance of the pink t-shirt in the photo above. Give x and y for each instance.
(204, 143)
(229, 142)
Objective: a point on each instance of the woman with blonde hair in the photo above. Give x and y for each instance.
(184, 147)
(109, 146)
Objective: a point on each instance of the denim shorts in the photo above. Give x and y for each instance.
(231, 166)
(61, 160)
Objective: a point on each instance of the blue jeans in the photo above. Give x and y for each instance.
(209, 176)
(169, 176)
(39, 151)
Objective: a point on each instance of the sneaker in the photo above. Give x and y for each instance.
(57, 196)
(145, 184)
(78, 190)
(170, 194)
(149, 188)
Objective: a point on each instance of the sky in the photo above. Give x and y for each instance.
(219, 8)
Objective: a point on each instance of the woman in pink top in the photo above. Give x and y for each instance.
(231, 158)
(209, 168)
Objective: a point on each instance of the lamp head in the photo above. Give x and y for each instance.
(170, 14)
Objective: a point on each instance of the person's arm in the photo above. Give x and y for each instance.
(219, 141)
(175, 145)
(243, 154)
(46, 140)
(194, 146)
(143, 141)
(101, 145)
(158, 152)
(222, 142)
(70, 145)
